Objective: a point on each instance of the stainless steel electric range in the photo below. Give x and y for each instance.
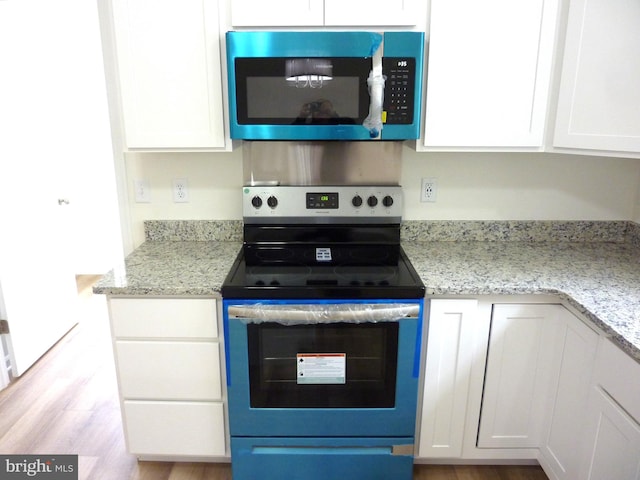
(323, 318)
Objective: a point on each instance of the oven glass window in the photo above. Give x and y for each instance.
(351, 365)
(303, 91)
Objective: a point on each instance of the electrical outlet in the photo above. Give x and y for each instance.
(429, 191)
(180, 190)
(142, 190)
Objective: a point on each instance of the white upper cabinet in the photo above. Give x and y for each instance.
(313, 13)
(168, 55)
(599, 100)
(371, 12)
(489, 71)
(285, 13)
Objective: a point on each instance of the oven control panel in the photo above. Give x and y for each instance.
(322, 204)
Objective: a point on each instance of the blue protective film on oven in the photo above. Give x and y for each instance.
(229, 302)
(321, 458)
(418, 350)
(227, 353)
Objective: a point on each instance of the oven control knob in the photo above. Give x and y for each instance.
(272, 201)
(387, 201)
(356, 201)
(372, 201)
(256, 201)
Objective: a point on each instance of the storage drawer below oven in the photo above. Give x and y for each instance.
(322, 458)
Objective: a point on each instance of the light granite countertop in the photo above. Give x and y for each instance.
(600, 277)
(172, 268)
(601, 280)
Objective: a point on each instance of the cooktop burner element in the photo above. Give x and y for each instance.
(320, 242)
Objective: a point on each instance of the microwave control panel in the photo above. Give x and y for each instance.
(399, 89)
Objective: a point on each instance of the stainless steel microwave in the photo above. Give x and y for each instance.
(325, 85)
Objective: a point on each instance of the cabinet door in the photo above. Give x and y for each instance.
(169, 370)
(578, 346)
(170, 74)
(452, 335)
(284, 13)
(370, 12)
(518, 375)
(599, 101)
(175, 428)
(619, 375)
(614, 451)
(488, 75)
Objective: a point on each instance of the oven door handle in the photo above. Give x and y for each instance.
(321, 313)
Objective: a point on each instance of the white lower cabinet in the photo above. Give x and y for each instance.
(518, 375)
(558, 453)
(168, 354)
(168, 369)
(614, 448)
(505, 380)
(611, 440)
(175, 428)
(453, 333)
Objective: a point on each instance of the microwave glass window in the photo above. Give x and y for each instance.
(333, 101)
(311, 91)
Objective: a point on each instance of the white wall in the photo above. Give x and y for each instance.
(521, 186)
(471, 186)
(213, 181)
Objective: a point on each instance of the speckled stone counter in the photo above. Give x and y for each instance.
(594, 266)
(601, 280)
(172, 268)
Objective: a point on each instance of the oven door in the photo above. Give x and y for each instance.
(304, 368)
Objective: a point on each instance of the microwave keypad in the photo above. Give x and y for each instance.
(399, 89)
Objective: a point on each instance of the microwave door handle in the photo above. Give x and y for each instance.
(352, 313)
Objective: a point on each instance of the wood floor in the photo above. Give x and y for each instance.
(67, 404)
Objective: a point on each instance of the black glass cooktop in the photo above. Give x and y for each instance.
(330, 273)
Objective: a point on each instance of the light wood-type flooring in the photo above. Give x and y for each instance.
(67, 403)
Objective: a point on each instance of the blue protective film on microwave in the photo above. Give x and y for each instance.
(304, 44)
(376, 40)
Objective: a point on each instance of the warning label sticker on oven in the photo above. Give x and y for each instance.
(322, 368)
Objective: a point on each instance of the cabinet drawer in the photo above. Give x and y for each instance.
(169, 370)
(164, 317)
(175, 428)
(619, 375)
